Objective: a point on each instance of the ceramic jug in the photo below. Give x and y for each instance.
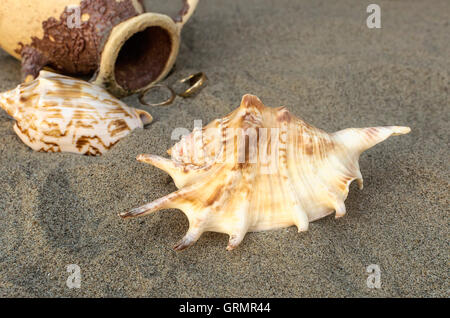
(123, 47)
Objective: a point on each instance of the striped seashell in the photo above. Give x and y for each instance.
(56, 113)
(261, 168)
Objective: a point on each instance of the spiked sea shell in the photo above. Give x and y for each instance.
(56, 113)
(285, 172)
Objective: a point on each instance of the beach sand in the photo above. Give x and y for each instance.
(320, 60)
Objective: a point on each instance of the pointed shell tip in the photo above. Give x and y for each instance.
(145, 117)
(249, 100)
(399, 130)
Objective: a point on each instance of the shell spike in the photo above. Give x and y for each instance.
(159, 162)
(340, 209)
(236, 239)
(300, 219)
(176, 171)
(361, 139)
(239, 225)
(167, 202)
(192, 236)
(360, 183)
(249, 100)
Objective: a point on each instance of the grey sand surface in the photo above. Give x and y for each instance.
(320, 60)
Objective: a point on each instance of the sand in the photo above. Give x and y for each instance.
(320, 60)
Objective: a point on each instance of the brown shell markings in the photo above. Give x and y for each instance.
(56, 113)
(260, 168)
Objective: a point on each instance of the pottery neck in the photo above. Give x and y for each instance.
(141, 51)
(138, 53)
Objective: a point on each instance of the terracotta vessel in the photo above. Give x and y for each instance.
(123, 47)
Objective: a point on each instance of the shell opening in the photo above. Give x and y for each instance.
(143, 58)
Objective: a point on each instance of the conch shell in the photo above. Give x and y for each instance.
(284, 172)
(56, 113)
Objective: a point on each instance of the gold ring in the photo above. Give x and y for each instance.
(196, 81)
(164, 103)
